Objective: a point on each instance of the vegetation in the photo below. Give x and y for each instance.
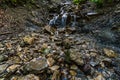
(78, 1)
(16, 2)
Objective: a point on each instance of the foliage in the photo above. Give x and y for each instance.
(16, 2)
(78, 1)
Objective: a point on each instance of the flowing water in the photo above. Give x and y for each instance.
(105, 37)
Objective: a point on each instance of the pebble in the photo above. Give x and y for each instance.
(3, 67)
(36, 65)
(110, 53)
(3, 58)
(50, 61)
(73, 73)
(100, 77)
(55, 67)
(26, 77)
(28, 39)
(13, 68)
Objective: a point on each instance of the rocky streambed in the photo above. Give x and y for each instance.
(82, 46)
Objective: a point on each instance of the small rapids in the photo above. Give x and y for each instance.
(66, 17)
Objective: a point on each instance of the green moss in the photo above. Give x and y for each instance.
(78, 1)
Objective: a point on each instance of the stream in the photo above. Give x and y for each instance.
(104, 30)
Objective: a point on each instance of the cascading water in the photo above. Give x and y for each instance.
(60, 20)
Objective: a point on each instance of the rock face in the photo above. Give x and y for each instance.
(36, 65)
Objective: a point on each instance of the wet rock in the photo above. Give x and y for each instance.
(73, 73)
(3, 58)
(87, 69)
(27, 77)
(99, 77)
(12, 68)
(56, 67)
(74, 67)
(36, 65)
(28, 39)
(31, 77)
(56, 75)
(92, 63)
(49, 29)
(3, 67)
(110, 53)
(2, 78)
(50, 61)
(14, 60)
(77, 58)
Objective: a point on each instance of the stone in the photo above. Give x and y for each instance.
(3, 67)
(50, 61)
(36, 65)
(73, 73)
(28, 39)
(99, 77)
(56, 75)
(26, 77)
(31, 77)
(3, 58)
(13, 68)
(56, 67)
(48, 29)
(74, 67)
(110, 53)
(2, 78)
(77, 58)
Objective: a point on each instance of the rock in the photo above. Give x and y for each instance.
(1, 45)
(87, 68)
(110, 53)
(2, 78)
(93, 54)
(36, 65)
(73, 67)
(50, 61)
(92, 63)
(73, 73)
(9, 45)
(3, 67)
(49, 29)
(31, 77)
(56, 67)
(56, 75)
(27, 77)
(100, 77)
(14, 60)
(28, 39)
(13, 68)
(3, 58)
(77, 58)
